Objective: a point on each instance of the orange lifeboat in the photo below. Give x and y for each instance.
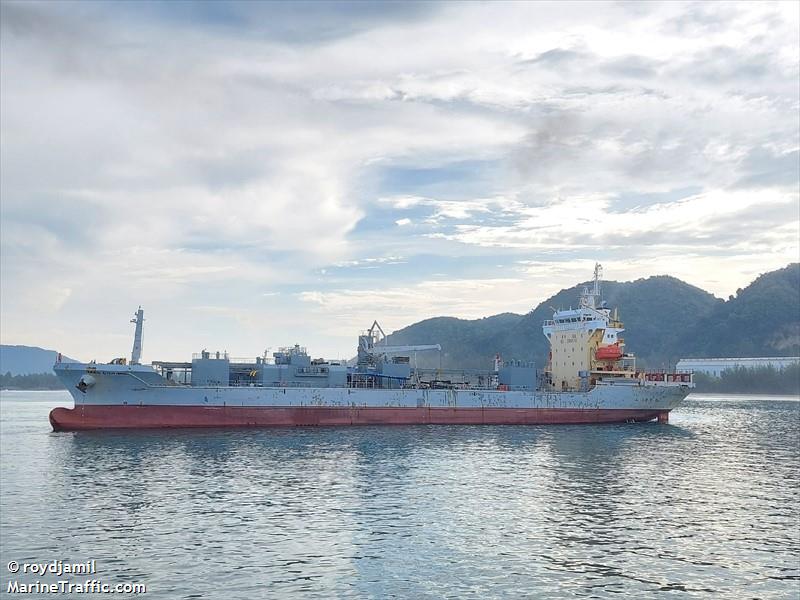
(613, 352)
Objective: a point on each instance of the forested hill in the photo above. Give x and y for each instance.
(763, 319)
(465, 343)
(665, 319)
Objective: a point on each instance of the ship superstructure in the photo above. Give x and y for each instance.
(585, 343)
(589, 378)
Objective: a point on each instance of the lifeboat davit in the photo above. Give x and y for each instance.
(613, 352)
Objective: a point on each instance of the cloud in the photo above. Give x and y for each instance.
(298, 166)
(697, 222)
(371, 262)
(397, 306)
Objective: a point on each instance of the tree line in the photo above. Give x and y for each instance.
(34, 381)
(753, 380)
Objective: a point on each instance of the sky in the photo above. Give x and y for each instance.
(257, 175)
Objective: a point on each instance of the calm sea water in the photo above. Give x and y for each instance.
(707, 506)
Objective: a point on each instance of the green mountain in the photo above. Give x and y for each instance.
(665, 319)
(467, 344)
(761, 320)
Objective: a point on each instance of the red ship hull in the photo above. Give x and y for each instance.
(145, 417)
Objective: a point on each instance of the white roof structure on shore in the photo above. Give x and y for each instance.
(715, 366)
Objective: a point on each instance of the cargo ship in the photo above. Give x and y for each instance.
(590, 377)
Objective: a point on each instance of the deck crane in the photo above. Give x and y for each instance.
(372, 346)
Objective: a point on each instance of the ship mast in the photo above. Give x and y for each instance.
(591, 299)
(598, 275)
(136, 353)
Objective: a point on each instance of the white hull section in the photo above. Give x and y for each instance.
(140, 385)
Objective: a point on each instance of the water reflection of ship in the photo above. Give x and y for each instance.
(588, 507)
